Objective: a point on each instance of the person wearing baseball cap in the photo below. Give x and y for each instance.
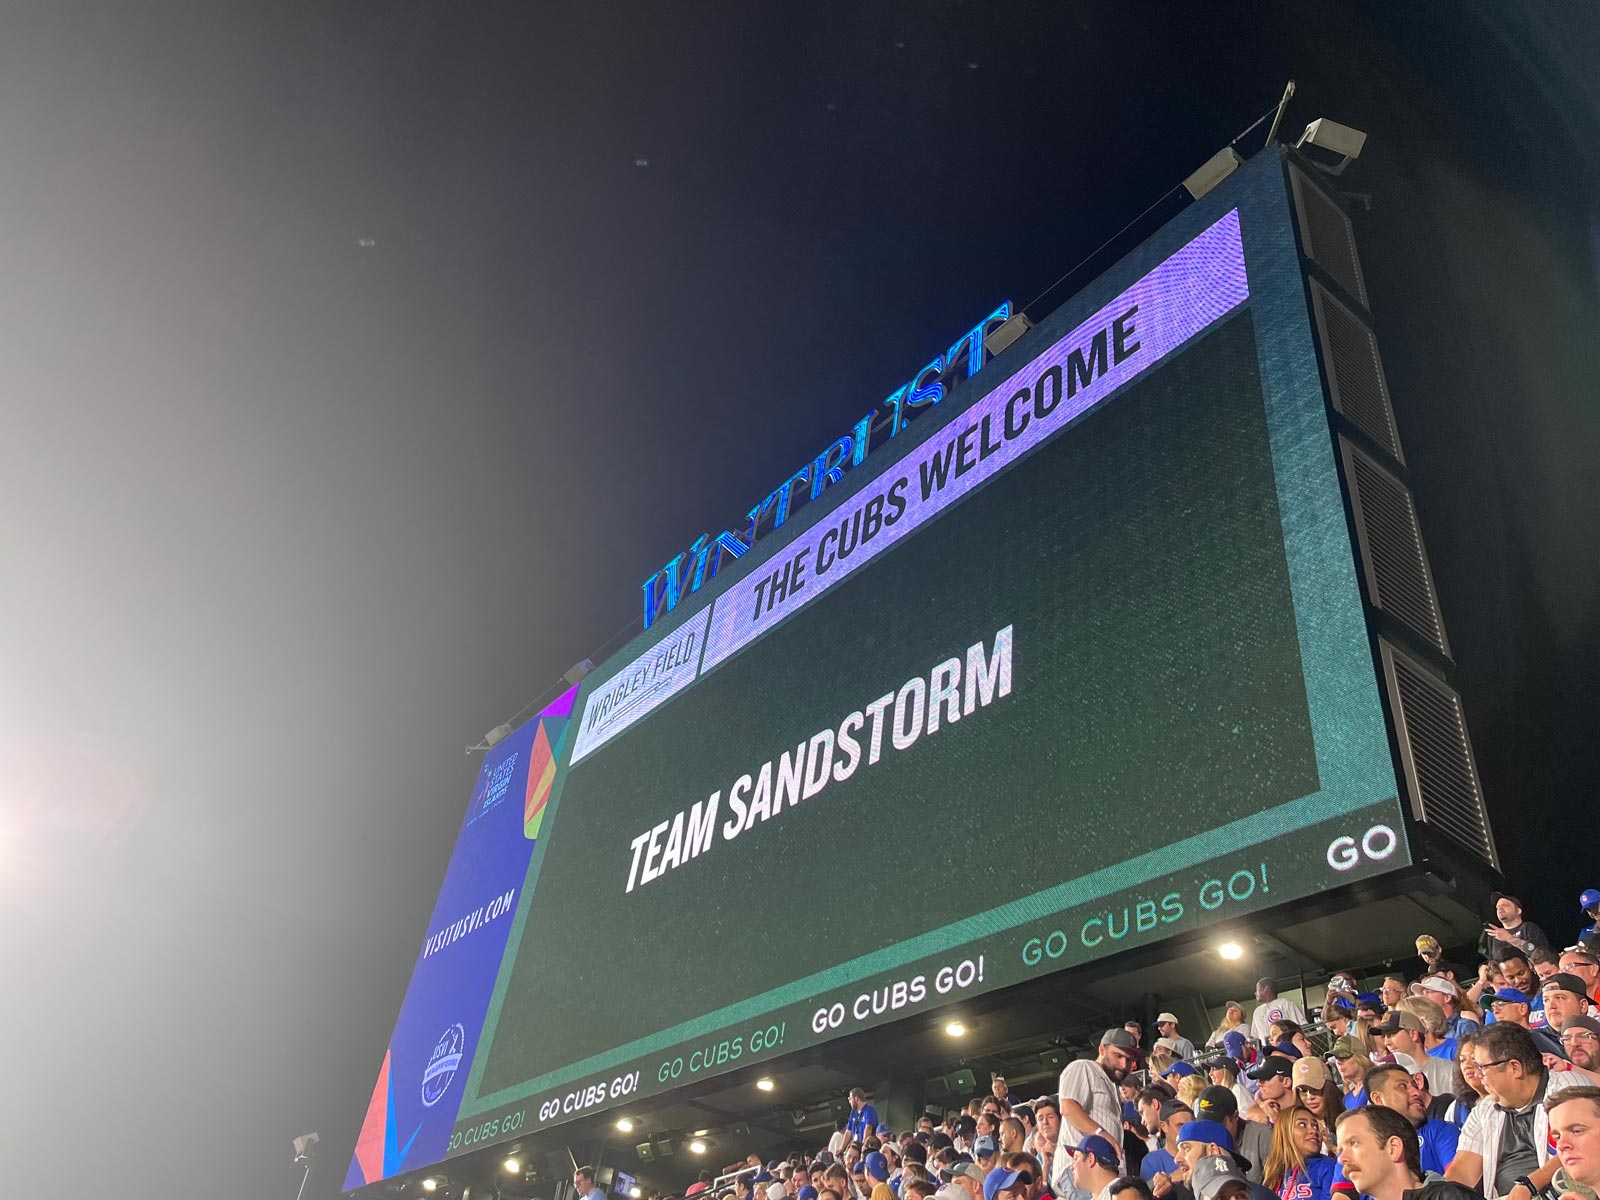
(1089, 1101)
(878, 1176)
(1251, 1139)
(1405, 1037)
(1351, 1062)
(1094, 1165)
(1580, 1041)
(1224, 1071)
(1509, 1004)
(984, 1149)
(1167, 1120)
(1274, 1087)
(1215, 1177)
(1200, 1139)
(1564, 998)
(1446, 993)
(1167, 1027)
(1316, 1091)
(1589, 905)
(1509, 930)
(1003, 1184)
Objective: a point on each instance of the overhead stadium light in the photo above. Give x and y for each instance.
(513, 1166)
(1007, 332)
(697, 1147)
(955, 1029)
(430, 1184)
(497, 735)
(765, 1085)
(1213, 171)
(625, 1125)
(1231, 951)
(1336, 139)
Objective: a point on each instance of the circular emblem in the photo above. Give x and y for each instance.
(443, 1064)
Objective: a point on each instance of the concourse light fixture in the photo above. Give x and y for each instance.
(635, 1192)
(697, 1147)
(497, 735)
(1231, 951)
(765, 1085)
(955, 1029)
(1213, 171)
(430, 1184)
(625, 1125)
(513, 1166)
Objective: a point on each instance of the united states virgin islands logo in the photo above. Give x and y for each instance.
(443, 1064)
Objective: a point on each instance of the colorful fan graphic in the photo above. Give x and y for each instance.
(541, 774)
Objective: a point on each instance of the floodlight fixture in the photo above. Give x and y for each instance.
(497, 735)
(1337, 139)
(1213, 171)
(576, 672)
(1004, 334)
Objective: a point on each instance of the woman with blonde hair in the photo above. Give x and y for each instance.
(1296, 1168)
(1232, 1020)
(1190, 1087)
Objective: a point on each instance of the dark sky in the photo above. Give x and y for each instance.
(289, 518)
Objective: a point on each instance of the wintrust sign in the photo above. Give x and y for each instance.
(688, 571)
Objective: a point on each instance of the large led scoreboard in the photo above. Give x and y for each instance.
(1103, 648)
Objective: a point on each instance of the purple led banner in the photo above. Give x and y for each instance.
(1177, 300)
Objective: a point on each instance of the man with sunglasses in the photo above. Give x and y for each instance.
(1505, 1144)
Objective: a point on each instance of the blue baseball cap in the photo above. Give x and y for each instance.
(1099, 1149)
(884, 1129)
(1287, 1049)
(1181, 1069)
(1214, 1132)
(1509, 995)
(1589, 899)
(877, 1166)
(806, 1193)
(1233, 1043)
(984, 1145)
(998, 1180)
(761, 1177)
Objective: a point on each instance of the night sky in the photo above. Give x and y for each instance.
(358, 361)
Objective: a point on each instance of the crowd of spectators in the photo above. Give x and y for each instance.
(1437, 1083)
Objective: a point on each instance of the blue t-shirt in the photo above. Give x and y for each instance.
(1445, 1050)
(1439, 1140)
(1157, 1160)
(1355, 1099)
(1459, 1026)
(862, 1122)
